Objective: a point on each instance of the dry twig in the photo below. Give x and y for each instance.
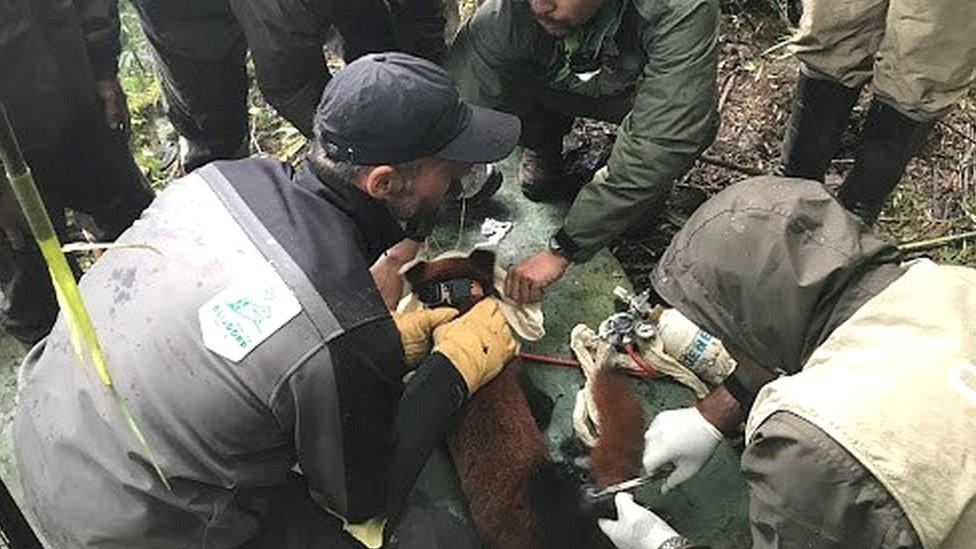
(748, 170)
(727, 89)
(932, 243)
(776, 46)
(956, 131)
(291, 153)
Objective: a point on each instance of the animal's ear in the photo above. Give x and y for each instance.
(417, 274)
(484, 260)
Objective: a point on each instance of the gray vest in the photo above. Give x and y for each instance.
(87, 482)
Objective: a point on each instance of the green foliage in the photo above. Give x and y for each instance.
(153, 139)
(745, 22)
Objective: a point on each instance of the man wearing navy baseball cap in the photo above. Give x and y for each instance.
(405, 123)
(255, 343)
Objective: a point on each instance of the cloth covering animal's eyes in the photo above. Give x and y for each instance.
(459, 280)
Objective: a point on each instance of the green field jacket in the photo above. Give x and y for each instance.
(664, 51)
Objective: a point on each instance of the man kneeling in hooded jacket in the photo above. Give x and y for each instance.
(856, 376)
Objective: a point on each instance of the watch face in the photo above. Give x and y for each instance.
(557, 248)
(554, 244)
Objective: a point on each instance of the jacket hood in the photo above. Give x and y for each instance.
(771, 266)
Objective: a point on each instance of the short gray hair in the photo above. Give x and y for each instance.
(323, 166)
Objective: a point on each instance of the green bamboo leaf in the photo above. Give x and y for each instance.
(83, 336)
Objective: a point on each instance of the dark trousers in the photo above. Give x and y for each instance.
(200, 48)
(434, 517)
(547, 115)
(90, 170)
(200, 51)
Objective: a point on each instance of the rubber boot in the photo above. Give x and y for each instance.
(889, 140)
(821, 109)
(542, 173)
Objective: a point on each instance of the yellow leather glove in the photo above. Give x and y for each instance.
(416, 328)
(478, 344)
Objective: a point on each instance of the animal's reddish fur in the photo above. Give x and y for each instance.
(496, 448)
(617, 455)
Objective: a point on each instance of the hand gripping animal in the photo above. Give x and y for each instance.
(518, 497)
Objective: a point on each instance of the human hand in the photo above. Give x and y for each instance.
(386, 276)
(417, 328)
(526, 281)
(478, 344)
(386, 270)
(115, 108)
(11, 219)
(682, 437)
(636, 527)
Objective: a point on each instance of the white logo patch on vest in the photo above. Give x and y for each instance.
(246, 313)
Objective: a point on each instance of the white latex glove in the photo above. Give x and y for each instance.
(635, 527)
(682, 437)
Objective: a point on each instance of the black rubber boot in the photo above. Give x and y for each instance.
(821, 109)
(542, 176)
(542, 173)
(889, 140)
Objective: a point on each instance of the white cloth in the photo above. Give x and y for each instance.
(594, 354)
(526, 320)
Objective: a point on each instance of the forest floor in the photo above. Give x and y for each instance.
(756, 77)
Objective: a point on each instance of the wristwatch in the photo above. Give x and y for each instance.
(676, 542)
(560, 243)
(555, 247)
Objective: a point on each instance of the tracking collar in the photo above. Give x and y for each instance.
(454, 292)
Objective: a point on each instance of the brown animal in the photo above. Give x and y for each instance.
(617, 454)
(496, 448)
(518, 498)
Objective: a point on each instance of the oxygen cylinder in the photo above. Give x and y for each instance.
(696, 349)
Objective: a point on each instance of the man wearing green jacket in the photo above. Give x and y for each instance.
(648, 65)
(855, 377)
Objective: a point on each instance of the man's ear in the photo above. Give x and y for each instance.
(381, 182)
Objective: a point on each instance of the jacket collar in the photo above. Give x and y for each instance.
(378, 229)
(580, 52)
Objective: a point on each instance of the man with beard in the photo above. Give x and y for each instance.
(249, 339)
(855, 376)
(647, 65)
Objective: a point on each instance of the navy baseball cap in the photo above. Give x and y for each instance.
(387, 108)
